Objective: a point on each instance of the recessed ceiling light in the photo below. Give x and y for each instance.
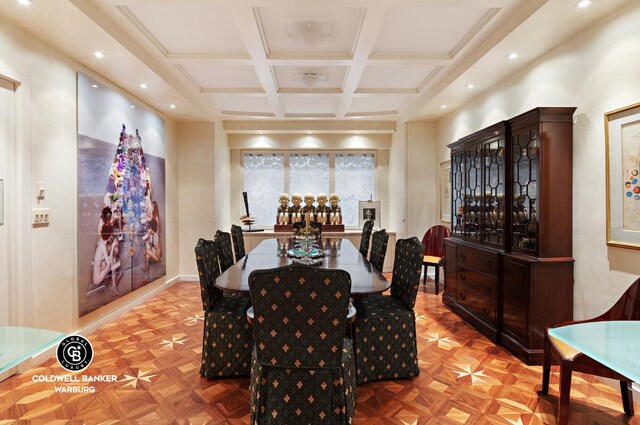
(512, 55)
(172, 106)
(25, 2)
(357, 132)
(260, 132)
(95, 86)
(470, 85)
(583, 3)
(98, 54)
(443, 106)
(132, 106)
(143, 85)
(309, 132)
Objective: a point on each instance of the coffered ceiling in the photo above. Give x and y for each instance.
(286, 59)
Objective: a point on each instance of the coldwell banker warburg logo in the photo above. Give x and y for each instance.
(74, 353)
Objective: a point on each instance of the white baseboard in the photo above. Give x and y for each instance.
(190, 278)
(92, 327)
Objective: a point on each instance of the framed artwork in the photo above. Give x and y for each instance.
(445, 191)
(1, 202)
(121, 195)
(622, 138)
(369, 210)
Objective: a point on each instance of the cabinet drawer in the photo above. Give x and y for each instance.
(486, 262)
(477, 304)
(479, 282)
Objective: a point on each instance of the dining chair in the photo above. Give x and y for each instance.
(225, 253)
(365, 238)
(569, 359)
(302, 365)
(227, 337)
(433, 241)
(379, 244)
(385, 326)
(238, 242)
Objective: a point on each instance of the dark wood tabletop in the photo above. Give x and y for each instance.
(339, 254)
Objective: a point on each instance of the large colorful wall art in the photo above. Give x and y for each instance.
(121, 196)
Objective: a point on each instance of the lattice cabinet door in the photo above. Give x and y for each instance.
(493, 206)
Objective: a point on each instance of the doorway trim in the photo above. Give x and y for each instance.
(20, 233)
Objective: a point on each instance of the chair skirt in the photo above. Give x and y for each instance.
(304, 396)
(384, 340)
(227, 339)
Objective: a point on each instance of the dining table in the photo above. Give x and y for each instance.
(338, 253)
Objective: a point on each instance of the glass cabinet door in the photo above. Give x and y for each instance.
(457, 193)
(525, 190)
(472, 193)
(493, 200)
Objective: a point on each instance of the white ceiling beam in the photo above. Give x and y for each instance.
(103, 21)
(367, 35)
(473, 52)
(327, 3)
(252, 37)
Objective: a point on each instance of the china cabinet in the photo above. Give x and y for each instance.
(509, 268)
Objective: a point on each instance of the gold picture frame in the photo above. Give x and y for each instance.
(622, 152)
(445, 191)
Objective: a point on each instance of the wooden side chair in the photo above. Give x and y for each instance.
(227, 337)
(303, 369)
(366, 237)
(433, 241)
(569, 359)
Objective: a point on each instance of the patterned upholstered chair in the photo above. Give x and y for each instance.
(227, 338)
(379, 244)
(238, 242)
(366, 237)
(225, 253)
(303, 369)
(385, 327)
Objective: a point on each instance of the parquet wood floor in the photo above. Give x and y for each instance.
(154, 351)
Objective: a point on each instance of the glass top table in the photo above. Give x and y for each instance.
(615, 344)
(19, 344)
(338, 254)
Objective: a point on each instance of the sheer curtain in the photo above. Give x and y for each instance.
(355, 181)
(263, 182)
(308, 173)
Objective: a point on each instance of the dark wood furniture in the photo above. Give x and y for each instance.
(434, 254)
(339, 254)
(509, 266)
(569, 359)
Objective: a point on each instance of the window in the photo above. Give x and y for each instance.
(263, 182)
(352, 175)
(309, 173)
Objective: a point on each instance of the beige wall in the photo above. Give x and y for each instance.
(423, 170)
(196, 172)
(51, 122)
(597, 72)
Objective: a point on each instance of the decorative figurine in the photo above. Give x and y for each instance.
(335, 216)
(295, 211)
(283, 209)
(308, 206)
(322, 210)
